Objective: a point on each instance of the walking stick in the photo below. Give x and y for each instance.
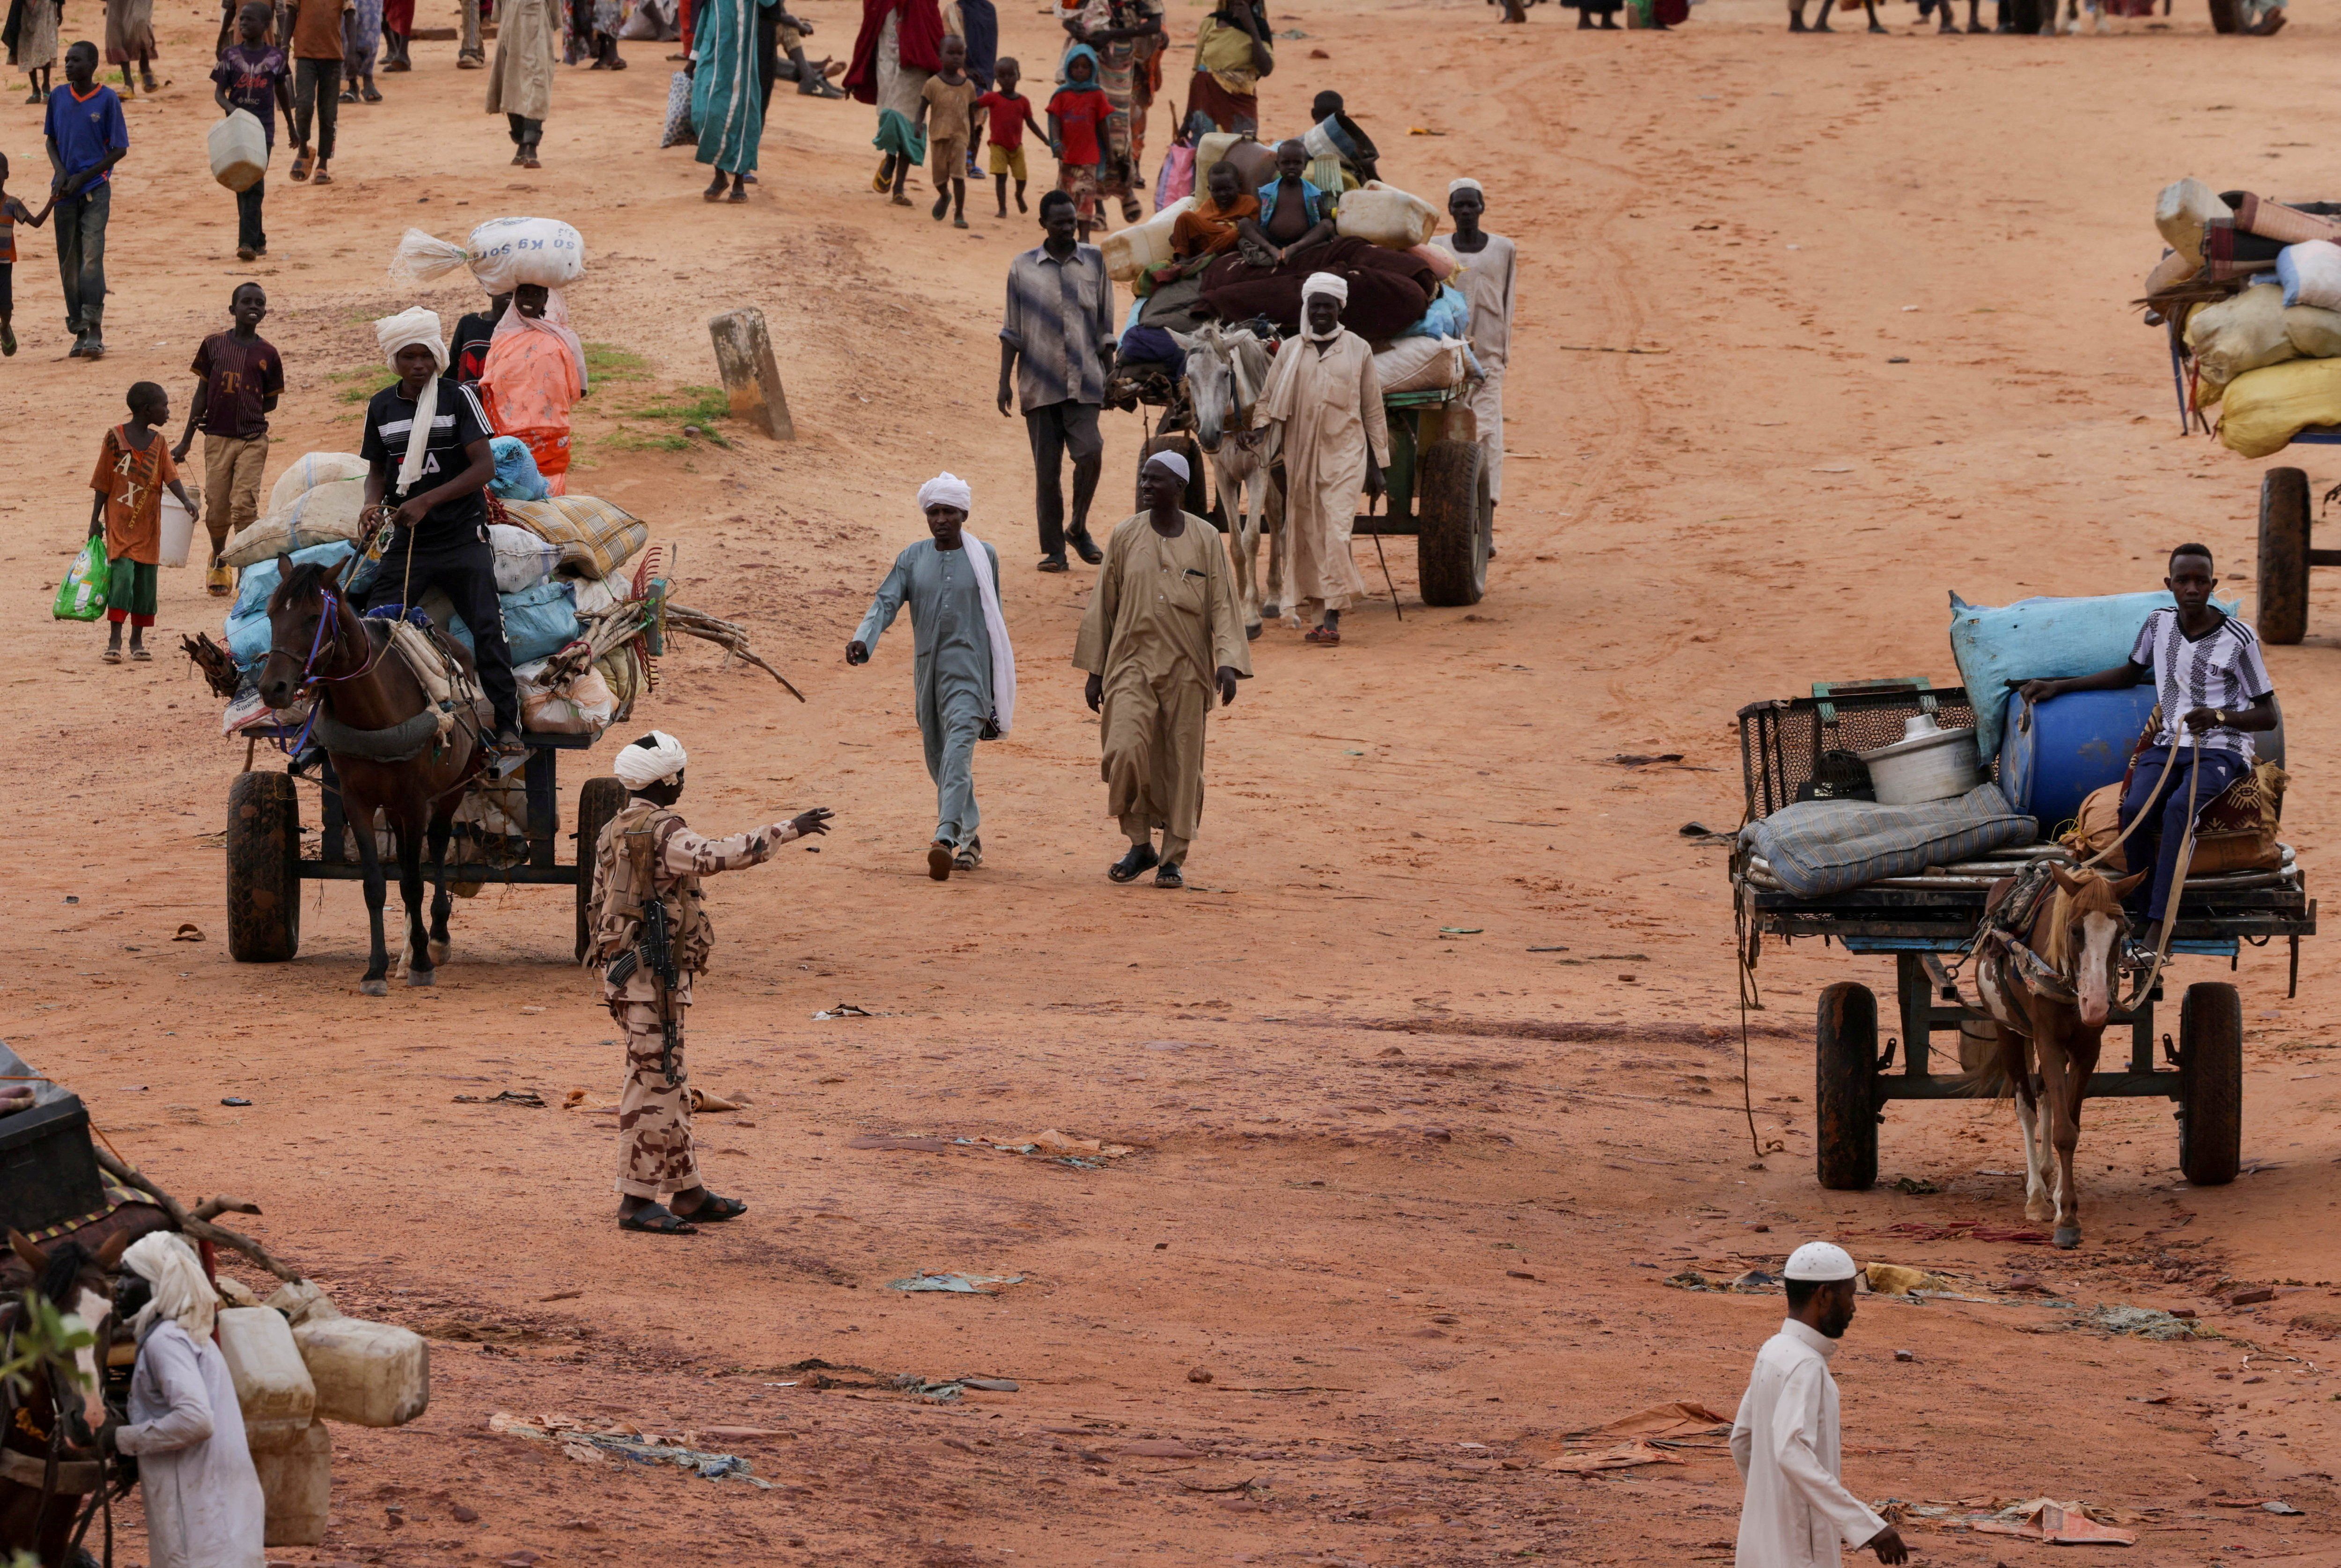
(1373, 502)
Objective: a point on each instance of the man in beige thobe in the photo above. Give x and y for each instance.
(520, 89)
(1161, 633)
(1326, 401)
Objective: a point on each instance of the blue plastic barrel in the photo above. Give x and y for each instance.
(2073, 744)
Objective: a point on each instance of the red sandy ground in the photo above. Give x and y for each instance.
(1357, 1131)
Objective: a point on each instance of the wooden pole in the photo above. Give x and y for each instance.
(752, 379)
(200, 1229)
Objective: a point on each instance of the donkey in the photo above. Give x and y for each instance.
(44, 1420)
(377, 724)
(1227, 374)
(2049, 992)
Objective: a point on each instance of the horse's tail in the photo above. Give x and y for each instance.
(1988, 1082)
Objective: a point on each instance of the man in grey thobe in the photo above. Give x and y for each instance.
(963, 671)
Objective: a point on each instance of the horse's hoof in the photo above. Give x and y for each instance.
(1252, 632)
(438, 954)
(422, 976)
(1270, 610)
(2069, 1236)
(374, 987)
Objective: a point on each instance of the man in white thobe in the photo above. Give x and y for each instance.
(1785, 1441)
(1326, 401)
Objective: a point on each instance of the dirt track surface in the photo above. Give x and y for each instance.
(1408, 1181)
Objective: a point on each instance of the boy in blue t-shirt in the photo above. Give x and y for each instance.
(252, 75)
(87, 137)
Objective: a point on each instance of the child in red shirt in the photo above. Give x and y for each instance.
(1006, 114)
(1076, 129)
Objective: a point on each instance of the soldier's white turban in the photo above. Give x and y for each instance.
(1819, 1260)
(946, 490)
(654, 758)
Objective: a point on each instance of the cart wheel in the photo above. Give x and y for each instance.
(263, 869)
(1845, 1092)
(2284, 555)
(598, 800)
(1454, 520)
(1198, 494)
(2210, 1084)
(2223, 16)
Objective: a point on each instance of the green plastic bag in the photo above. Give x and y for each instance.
(82, 595)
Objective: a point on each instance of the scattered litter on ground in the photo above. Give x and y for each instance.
(2278, 1505)
(1752, 1282)
(701, 1100)
(1916, 1186)
(1199, 1374)
(897, 1141)
(1625, 1456)
(235, 1100)
(528, 1097)
(1968, 1230)
(847, 1011)
(1905, 1356)
(1548, 949)
(593, 1445)
(1673, 1420)
(1643, 760)
(188, 932)
(956, 1283)
(1899, 1279)
(2142, 1323)
(2045, 1519)
(1460, 930)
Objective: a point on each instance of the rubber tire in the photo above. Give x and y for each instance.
(2210, 1084)
(1845, 1088)
(597, 801)
(1198, 494)
(1453, 520)
(263, 869)
(2283, 616)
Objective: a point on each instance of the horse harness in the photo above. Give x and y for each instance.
(2001, 955)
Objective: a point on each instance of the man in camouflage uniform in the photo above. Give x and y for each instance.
(646, 852)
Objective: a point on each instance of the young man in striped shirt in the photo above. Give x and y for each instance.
(2205, 666)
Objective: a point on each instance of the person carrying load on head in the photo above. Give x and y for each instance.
(534, 372)
(2213, 684)
(650, 938)
(1354, 159)
(427, 446)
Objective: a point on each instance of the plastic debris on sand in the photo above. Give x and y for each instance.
(598, 1445)
(957, 1283)
(2045, 1519)
(1625, 1456)
(2142, 1323)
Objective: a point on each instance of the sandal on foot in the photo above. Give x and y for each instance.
(739, 194)
(1323, 636)
(300, 166)
(714, 1210)
(142, 655)
(958, 222)
(1142, 859)
(1169, 876)
(321, 177)
(657, 1219)
(939, 860)
(970, 856)
(112, 656)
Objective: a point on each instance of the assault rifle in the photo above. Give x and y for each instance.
(655, 953)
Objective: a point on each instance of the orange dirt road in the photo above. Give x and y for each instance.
(1433, 1071)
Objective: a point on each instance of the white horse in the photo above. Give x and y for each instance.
(1227, 375)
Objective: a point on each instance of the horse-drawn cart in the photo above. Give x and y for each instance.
(1437, 478)
(1920, 921)
(266, 863)
(2285, 554)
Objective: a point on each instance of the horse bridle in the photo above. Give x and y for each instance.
(329, 621)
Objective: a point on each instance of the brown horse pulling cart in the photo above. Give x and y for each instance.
(1920, 921)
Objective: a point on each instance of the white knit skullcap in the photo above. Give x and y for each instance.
(1466, 183)
(654, 758)
(1172, 461)
(946, 490)
(1819, 1260)
(1332, 283)
(165, 1260)
(407, 329)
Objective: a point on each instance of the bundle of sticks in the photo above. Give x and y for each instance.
(651, 615)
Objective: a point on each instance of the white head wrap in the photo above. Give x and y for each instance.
(946, 489)
(1323, 284)
(167, 1261)
(1466, 183)
(654, 758)
(408, 329)
(1819, 1260)
(1172, 461)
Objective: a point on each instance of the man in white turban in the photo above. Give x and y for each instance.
(648, 854)
(963, 669)
(1164, 636)
(1326, 401)
(1786, 1442)
(1487, 270)
(204, 1504)
(428, 464)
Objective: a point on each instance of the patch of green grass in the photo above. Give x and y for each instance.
(360, 383)
(609, 362)
(627, 439)
(701, 404)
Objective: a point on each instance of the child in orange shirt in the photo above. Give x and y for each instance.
(132, 466)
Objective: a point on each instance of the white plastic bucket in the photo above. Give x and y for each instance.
(239, 151)
(178, 531)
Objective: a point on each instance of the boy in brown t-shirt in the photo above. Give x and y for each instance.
(239, 379)
(950, 96)
(132, 466)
